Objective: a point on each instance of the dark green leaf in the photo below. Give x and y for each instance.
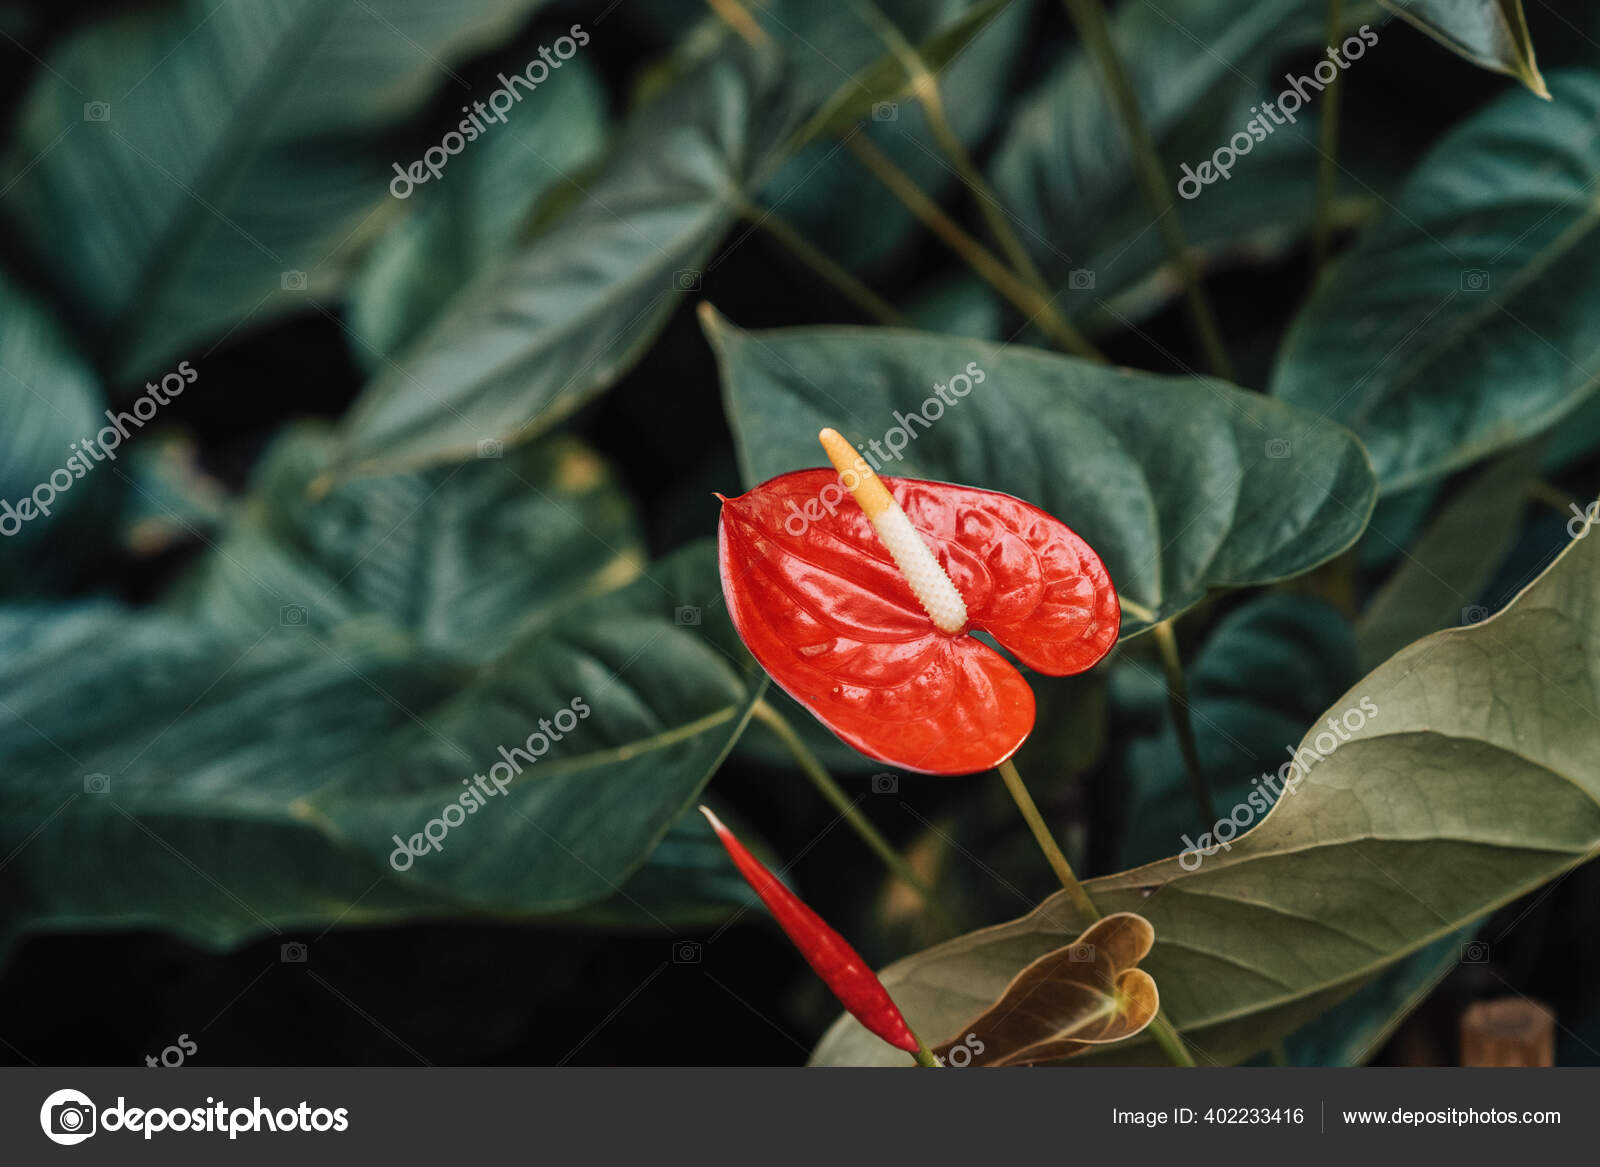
(1438, 581)
(50, 400)
(259, 788)
(1181, 484)
(1063, 166)
(1478, 279)
(161, 148)
(456, 560)
(557, 321)
(468, 219)
(1490, 33)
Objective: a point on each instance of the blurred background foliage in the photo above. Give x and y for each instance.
(308, 597)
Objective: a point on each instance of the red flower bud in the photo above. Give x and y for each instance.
(855, 984)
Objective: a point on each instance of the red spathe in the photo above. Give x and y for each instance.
(819, 602)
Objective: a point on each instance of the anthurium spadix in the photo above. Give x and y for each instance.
(860, 594)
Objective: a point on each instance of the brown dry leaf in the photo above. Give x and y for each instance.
(1086, 994)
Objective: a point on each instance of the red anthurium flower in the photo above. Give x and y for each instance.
(858, 595)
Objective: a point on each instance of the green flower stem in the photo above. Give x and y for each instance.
(1328, 149)
(924, 86)
(1090, 18)
(1163, 1031)
(848, 285)
(1047, 842)
(841, 802)
(1034, 305)
(1182, 723)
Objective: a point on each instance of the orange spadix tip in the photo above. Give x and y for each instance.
(931, 583)
(864, 486)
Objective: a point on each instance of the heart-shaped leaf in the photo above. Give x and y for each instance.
(1479, 277)
(1474, 779)
(562, 318)
(443, 558)
(1063, 166)
(464, 223)
(1179, 484)
(818, 600)
(250, 771)
(557, 321)
(159, 148)
(1490, 33)
(1066, 1002)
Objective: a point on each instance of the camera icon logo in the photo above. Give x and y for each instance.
(687, 617)
(1474, 614)
(685, 952)
(293, 952)
(1279, 448)
(97, 784)
(1475, 952)
(490, 447)
(1081, 280)
(293, 616)
(294, 281)
(885, 783)
(686, 279)
(1081, 954)
(97, 111)
(885, 111)
(1475, 279)
(67, 1117)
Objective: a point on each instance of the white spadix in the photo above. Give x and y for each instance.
(911, 553)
